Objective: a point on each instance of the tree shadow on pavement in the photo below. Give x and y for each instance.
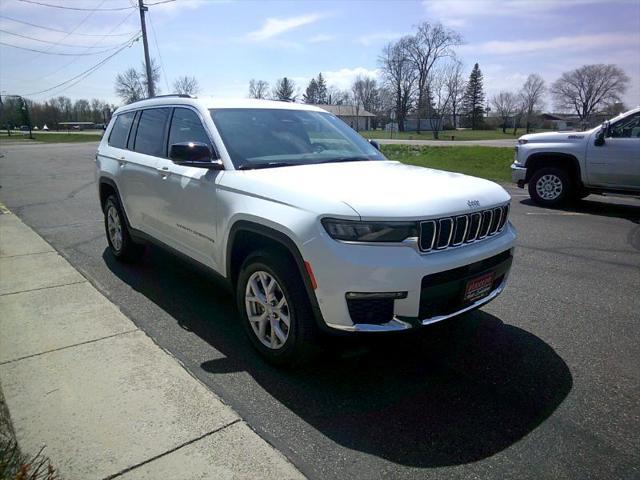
(452, 393)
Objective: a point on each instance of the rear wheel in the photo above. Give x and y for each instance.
(121, 244)
(274, 307)
(550, 186)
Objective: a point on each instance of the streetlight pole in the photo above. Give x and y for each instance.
(147, 61)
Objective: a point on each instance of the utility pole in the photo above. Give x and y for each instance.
(147, 61)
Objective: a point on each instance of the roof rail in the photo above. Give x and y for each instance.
(181, 95)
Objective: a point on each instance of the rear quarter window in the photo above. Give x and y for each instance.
(120, 131)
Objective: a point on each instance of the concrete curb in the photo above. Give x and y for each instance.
(82, 380)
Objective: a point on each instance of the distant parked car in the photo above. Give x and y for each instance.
(561, 166)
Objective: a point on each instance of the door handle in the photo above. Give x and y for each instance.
(122, 162)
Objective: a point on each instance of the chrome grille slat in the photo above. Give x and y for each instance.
(442, 233)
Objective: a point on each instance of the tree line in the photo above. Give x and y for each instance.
(422, 78)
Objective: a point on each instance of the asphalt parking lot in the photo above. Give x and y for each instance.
(542, 383)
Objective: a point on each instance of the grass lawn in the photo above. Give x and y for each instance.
(447, 134)
(486, 162)
(52, 137)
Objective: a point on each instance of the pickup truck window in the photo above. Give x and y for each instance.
(627, 127)
(120, 130)
(260, 137)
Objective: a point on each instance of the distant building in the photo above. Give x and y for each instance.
(75, 125)
(356, 118)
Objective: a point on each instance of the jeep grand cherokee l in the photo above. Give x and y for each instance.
(310, 224)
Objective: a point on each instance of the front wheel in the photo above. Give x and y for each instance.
(550, 187)
(274, 308)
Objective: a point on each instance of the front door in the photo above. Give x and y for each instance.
(616, 164)
(188, 204)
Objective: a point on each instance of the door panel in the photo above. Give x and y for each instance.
(616, 164)
(188, 200)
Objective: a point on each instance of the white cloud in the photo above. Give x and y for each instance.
(277, 26)
(372, 38)
(552, 45)
(456, 13)
(323, 37)
(342, 79)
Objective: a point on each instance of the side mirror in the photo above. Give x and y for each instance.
(375, 144)
(602, 133)
(194, 154)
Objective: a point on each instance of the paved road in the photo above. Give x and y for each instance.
(449, 143)
(544, 382)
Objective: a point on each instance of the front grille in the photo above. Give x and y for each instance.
(372, 311)
(446, 232)
(442, 293)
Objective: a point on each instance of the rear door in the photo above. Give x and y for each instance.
(616, 164)
(188, 194)
(147, 146)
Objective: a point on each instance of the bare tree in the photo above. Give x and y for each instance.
(431, 43)
(399, 76)
(505, 104)
(335, 96)
(258, 89)
(186, 85)
(441, 94)
(518, 113)
(588, 88)
(284, 90)
(155, 76)
(457, 85)
(532, 96)
(129, 86)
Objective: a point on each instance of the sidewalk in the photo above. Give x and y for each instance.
(80, 378)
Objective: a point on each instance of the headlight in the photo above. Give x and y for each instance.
(356, 231)
(522, 141)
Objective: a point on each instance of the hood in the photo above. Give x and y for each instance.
(376, 189)
(556, 137)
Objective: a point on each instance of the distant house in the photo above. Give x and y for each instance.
(356, 118)
(570, 121)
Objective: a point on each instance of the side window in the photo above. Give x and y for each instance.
(627, 127)
(150, 133)
(187, 127)
(120, 130)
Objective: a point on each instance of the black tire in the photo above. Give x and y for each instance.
(550, 187)
(301, 341)
(126, 250)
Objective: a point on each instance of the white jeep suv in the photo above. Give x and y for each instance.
(309, 223)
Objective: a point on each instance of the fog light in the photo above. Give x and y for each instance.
(374, 295)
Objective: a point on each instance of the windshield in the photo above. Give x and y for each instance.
(263, 138)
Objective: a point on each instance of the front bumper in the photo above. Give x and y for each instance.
(371, 268)
(518, 174)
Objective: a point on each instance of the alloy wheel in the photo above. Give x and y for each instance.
(114, 227)
(267, 310)
(549, 187)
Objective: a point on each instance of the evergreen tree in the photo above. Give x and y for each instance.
(311, 93)
(322, 90)
(473, 101)
(284, 90)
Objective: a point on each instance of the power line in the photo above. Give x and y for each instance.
(64, 54)
(159, 3)
(90, 70)
(77, 8)
(155, 39)
(73, 60)
(47, 41)
(68, 33)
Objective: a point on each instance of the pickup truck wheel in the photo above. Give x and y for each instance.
(550, 186)
(274, 308)
(120, 242)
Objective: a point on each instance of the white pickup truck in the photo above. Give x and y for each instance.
(562, 166)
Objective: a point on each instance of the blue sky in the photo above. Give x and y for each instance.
(226, 43)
